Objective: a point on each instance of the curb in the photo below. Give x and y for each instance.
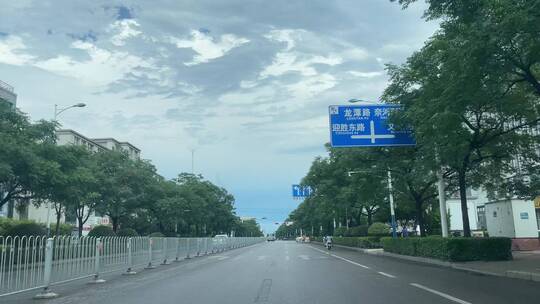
(513, 274)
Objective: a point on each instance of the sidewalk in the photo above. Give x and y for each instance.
(525, 265)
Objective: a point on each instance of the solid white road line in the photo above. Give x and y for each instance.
(387, 274)
(442, 294)
(304, 257)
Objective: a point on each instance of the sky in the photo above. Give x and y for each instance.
(244, 84)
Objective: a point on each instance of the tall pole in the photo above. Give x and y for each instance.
(391, 198)
(442, 203)
(192, 161)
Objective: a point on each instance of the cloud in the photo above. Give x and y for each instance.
(123, 30)
(366, 74)
(289, 36)
(123, 13)
(103, 66)
(12, 51)
(285, 62)
(206, 47)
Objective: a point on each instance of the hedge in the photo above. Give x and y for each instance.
(156, 234)
(360, 242)
(101, 231)
(127, 232)
(25, 228)
(455, 249)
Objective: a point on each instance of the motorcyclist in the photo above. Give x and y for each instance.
(328, 241)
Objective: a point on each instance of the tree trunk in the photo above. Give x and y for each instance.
(463, 198)
(369, 217)
(420, 216)
(115, 220)
(80, 225)
(57, 228)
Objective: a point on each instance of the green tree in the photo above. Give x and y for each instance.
(22, 168)
(466, 95)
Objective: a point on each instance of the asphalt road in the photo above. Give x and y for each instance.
(291, 273)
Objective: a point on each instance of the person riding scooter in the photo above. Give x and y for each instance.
(328, 242)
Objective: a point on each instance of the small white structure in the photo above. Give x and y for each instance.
(511, 218)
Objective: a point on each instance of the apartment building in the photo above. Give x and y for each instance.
(7, 95)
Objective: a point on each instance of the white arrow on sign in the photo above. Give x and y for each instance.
(372, 135)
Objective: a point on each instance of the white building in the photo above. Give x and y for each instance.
(484, 215)
(7, 95)
(112, 144)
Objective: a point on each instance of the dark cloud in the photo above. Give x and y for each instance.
(88, 36)
(123, 12)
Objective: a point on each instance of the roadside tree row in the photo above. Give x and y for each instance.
(78, 183)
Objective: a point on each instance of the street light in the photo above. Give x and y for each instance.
(356, 100)
(58, 111)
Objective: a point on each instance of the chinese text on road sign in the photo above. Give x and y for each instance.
(366, 126)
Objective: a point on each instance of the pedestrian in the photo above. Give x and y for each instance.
(405, 232)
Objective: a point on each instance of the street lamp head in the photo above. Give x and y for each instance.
(80, 105)
(356, 100)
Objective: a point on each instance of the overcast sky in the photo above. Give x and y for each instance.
(245, 83)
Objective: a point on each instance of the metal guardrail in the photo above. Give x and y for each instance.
(35, 262)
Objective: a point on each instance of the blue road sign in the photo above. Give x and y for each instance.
(366, 126)
(299, 191)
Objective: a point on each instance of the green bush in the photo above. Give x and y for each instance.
(456, 249)
(22, 228)
(340, 231)
(5, 225)
(360, 242)
(156, 234)
(361, 230)
(65, 229)
(379, 229)
(101, 231)
(127, 232)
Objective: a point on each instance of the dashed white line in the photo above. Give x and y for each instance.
(287, 258)
(442, 294)
(261, 257)
(386, 274)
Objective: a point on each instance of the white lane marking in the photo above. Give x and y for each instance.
(287, 258)
(352, 262)
(236, 258)
(261, 257)
(304, 257)
(344, 259)
(442, 294)
(387, 274)
(221, 258)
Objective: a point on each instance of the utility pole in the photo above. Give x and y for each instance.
(442, 203)
(391, 198)
(192, 161)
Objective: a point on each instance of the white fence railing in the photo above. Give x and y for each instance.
(28, 263)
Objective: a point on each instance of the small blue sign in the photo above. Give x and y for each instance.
(366, 126)
(299, 191)
(524, 215)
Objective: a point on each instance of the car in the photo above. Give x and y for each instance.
(271, 238)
